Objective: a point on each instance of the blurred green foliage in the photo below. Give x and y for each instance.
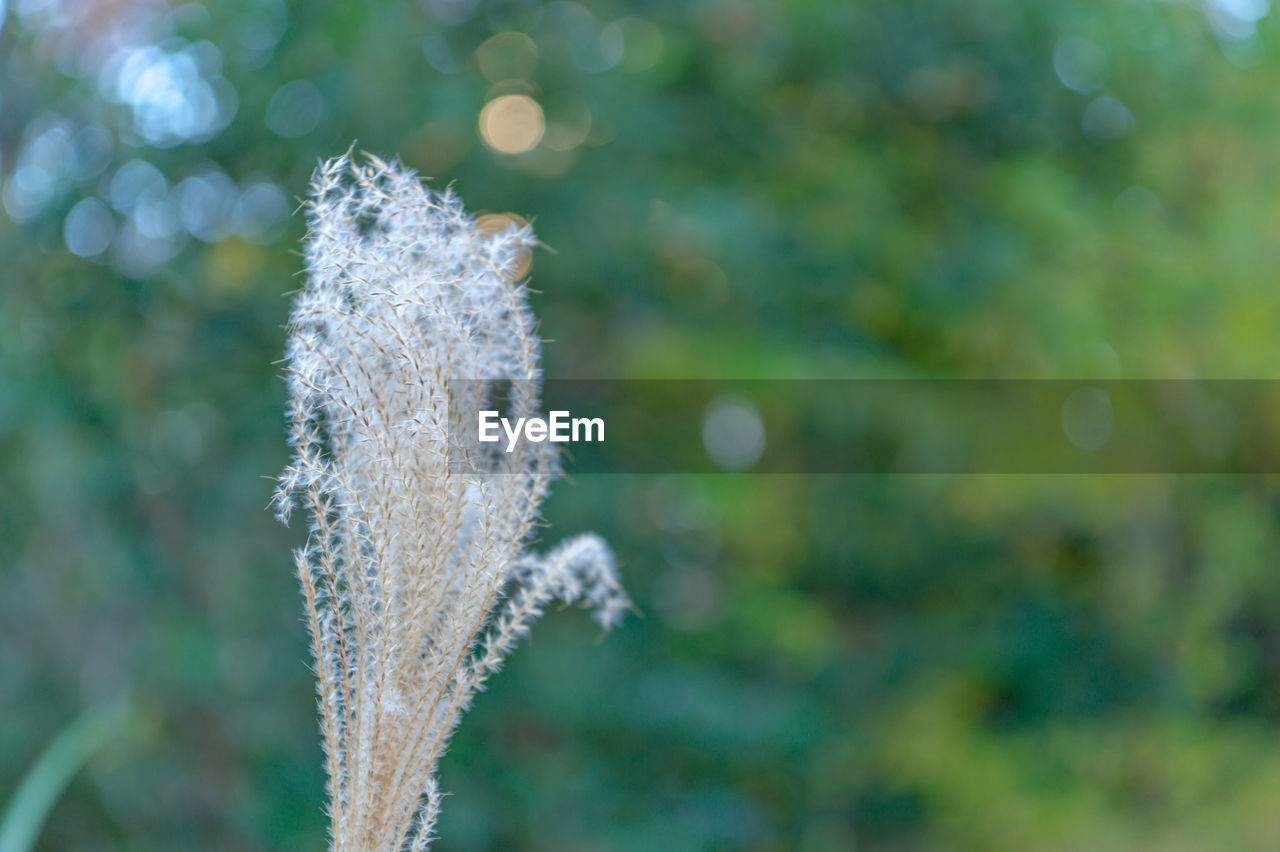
(808, 189)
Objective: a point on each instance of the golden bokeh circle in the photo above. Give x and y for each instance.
(512, 124)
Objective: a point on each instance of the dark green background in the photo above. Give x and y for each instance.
(809, 189)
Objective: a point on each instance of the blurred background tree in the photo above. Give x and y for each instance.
(731, 188)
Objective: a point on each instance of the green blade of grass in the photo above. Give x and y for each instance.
(44, 782)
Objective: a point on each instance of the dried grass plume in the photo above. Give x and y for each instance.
(416, 577)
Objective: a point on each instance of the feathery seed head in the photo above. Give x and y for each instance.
(415, 576)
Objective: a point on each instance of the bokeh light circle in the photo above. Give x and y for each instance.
(512, 124)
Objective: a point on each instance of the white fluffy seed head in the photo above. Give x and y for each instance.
(415, 576)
